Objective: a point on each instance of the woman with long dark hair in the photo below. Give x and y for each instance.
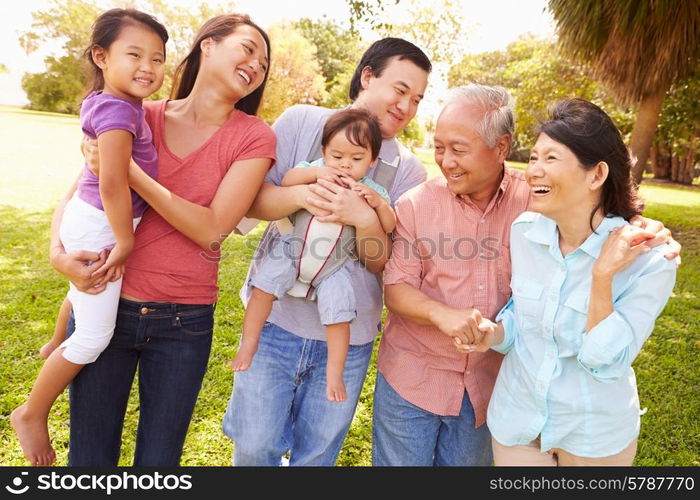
(586, 292)
(213, 155)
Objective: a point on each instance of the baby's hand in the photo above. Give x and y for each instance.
(332, 174)
(369, 194)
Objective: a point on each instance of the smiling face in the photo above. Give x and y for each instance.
(239, 61)
(470, 166)
(558, 182)
(343, 154)
(133, 66)
(393, 97)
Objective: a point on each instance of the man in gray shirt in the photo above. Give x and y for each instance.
(279, 404)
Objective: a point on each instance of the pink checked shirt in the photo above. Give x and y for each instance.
(446, 247)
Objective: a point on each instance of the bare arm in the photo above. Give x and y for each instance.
(115, 154)
(306, 175)
(206, 226)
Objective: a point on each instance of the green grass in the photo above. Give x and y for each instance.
(35, 145)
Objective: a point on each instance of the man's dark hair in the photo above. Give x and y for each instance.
(377, 56)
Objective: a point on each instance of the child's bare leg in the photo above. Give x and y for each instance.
(257, 312)
(30, 419)
(59, 331)
(338, 339)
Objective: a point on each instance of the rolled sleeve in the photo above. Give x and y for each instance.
(610, 347)
(510, 329)
(405, 264)
(605, 350)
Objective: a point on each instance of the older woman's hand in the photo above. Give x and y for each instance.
(621, 248)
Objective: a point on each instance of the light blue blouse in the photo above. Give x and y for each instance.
(575, 391)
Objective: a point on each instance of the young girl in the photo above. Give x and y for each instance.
(127, 53)
(350, 145)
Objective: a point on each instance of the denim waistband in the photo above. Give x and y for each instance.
(162, 309)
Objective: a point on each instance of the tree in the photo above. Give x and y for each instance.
(295, 75)
(3, 69)
(336, 48)
(675, 151)
(438, 28)
(536, 74)
(638, 48)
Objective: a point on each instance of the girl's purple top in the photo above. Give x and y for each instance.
(102, 112)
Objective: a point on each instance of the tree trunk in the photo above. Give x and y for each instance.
(663, 162)
(675, 167)
(644, 131)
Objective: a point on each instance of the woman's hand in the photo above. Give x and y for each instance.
(460, 324)
(620, 249)
(344, 205)
(91, 153)
(661, 235)
(113, 267)
(489, 334)
(79, 267)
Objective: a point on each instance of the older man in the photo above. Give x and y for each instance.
(450, 260)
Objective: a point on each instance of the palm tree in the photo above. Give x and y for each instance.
(639, 48)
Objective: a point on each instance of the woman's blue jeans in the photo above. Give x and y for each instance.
(170, 345)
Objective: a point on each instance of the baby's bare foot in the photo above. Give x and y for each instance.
(33, 435)
(335, 388)
(243, 359)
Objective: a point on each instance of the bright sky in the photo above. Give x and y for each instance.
(491, 25)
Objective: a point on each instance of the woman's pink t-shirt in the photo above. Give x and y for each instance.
(165, 265)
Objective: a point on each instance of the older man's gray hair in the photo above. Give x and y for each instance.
(494, 102)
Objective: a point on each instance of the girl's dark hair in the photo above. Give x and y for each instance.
(361, 129)
(592, 136)
(217, 28)
(105, 31)
(377, 57)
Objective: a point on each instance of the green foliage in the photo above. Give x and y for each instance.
(413, 135)
(536, 74)
(295, 74)
(679, 125)
(58, 89)
(336, 48)
(437, 28)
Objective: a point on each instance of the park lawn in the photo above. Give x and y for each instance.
(668, 371)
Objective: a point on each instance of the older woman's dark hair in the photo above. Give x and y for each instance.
(217, 28)
(593, 137)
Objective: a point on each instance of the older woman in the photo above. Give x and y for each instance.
(586, 293)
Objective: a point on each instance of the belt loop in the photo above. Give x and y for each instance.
(174, 318)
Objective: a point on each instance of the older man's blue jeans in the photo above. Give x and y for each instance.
(279, 404)
(404, 434)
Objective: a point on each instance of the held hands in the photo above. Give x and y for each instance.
(621, 248)
(460, 324)
(485, 339)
